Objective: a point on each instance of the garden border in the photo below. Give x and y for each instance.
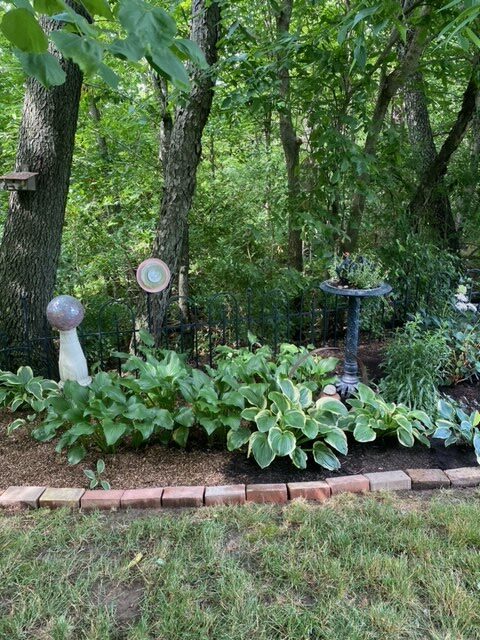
(25, 497)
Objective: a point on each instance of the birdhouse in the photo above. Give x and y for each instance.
(18, 181)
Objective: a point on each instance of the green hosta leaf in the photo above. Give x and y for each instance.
(105, 485)
(364, 433)
(163, 418)
(281, 442)
(442, 433)
(90, 474)
(113, 431)
(46, 431)
(476, 443)
(255, 394)
(446, 410)
(294, 418)
(310, 428)
(338, 440)
(289, 390)
(185, 417)
(325, 457)
(299, 458)
(35, 388)
(145, 429)
(305, 397)
(475, 419)
(236, 438)
(17, 403)
(100, 466)
(209, 424)
(21, 28)
(84, 51)
(180, 436)
(250, 413)
(259, 446)
(82, 429)
(403, 422)
(282, 402)
(19, 422)
(76, 454)
(265, 420)
(332, 405)
(231, 421)
(233, 399)
(421, 437)
(24, 375)
(422, 417)
(405, 437)
(74, 391)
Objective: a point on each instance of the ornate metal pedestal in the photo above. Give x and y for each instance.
(349, 380)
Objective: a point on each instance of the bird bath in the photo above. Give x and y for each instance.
(349, 379)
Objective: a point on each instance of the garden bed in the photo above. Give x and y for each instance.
(23, 461)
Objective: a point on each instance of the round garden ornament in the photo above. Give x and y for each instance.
(349, 379)
(65, 313)
(153, 275)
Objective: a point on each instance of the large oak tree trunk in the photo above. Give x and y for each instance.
(389, 85)
(433, 175)
(30, 247)
(291, 145)
(184, 151)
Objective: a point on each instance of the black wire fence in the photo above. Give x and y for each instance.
(198, 327)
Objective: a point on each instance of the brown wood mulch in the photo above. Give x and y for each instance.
(23, 461)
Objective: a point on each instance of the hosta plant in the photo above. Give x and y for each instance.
(103, 415)
(24, 391)
(455, 426)
(287, 422)
(370, 417)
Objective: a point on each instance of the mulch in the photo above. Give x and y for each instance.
(23, 461)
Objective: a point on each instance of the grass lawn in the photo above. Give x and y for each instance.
(358, 568)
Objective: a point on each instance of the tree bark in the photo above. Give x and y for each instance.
(436, 170)
(290, 143)
(389, 85)
(185, 151)
(30, 247)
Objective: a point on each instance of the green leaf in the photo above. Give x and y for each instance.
(128, 49)
(281, 442)
(422, 417)
(366, 394)
(262, 452)
(100, 466)
(255, 394)
(280, 401)
(299, 458)
(295, 418)
(265, 420)
(152, 25)
(49, 7)
(236, 438)
(189, 50)
(113, 431)
(250, 413)
(98, 8)
(185, 417)
(231, 421)
(405, 437)
(305, 397)
(289, 390)
(332, 405)
(90, 474)
(209, 424)
(105, 485)
(76, 454)
(364, 433)
(310, 428)
(163, 418)
(338, 440)
(325, 457)
(180, 436)
(86, 52)
(19, 422)
(21, 28)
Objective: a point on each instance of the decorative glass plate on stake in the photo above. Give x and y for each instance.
(153, 275)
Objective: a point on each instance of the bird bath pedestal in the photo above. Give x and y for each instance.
(349, 380)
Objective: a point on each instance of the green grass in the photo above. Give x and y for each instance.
(356, 569)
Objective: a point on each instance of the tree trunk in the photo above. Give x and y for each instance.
(185, 151)
(291, 145)
(30, 247)
(427, 189)
(389, 84)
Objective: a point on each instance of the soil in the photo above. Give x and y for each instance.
(23, 461)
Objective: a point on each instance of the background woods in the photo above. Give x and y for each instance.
(306, 128)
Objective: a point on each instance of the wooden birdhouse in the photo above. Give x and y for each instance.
(18, 181)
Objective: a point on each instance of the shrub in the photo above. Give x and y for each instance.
(356, 272)
(371, 417)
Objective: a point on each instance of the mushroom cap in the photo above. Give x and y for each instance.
(65, 313)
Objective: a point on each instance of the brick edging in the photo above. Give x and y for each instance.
(198, 496)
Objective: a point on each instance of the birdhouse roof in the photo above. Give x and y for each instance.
(18, 175)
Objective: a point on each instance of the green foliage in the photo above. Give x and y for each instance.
(94, 476)
(25, 392)
(415, 364)
(371, 417)
(454, 426)
(356, 272)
